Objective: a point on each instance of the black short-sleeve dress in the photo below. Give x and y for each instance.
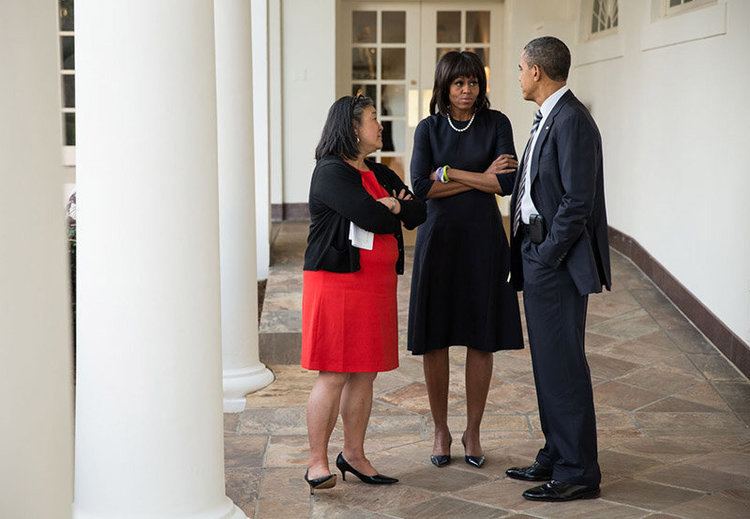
(460, 293)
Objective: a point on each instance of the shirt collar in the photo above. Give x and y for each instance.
(552, 100)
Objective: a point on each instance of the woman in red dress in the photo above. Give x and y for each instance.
(354, 252)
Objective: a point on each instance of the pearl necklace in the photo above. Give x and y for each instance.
(459, 130)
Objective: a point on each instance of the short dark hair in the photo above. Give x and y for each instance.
(549, 54)
(338, 138)
(452, 65)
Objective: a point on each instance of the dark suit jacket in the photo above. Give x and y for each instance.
(567, 188)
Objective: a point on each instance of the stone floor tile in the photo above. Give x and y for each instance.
(381, 499)
(231, 422)
(623, 396)
(676, 405)
(502, 493)
(705, 393)
(295, 390)
(513, 397)
(588, 509)
(690, 340)
(242, 486)
(627, 326)
(607, 367)
(641, 351)
(244, 451)
(690, 424)
(613, 463)
(696, 477)
(330, 509)
(716, 367)
(273, 420)
(444, 507)
(594, 341)
(612, 304)
(727, 461)
(736, 394)
(644, 494)
(658, 380)
(670, 450)
(445, 479)
(713, 506)
(283, 493)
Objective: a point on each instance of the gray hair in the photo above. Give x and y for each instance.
(549, 54)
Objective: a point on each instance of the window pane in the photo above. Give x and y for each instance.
(477, 26)
(394, 27)
(483, 53)
(67, 48)
(69, 91)
(69, 124)
(674, 3)
(364, 29)
(364, 63)
(370, 91)
(393, 100)
(394, 136)
(395, 163)
(443, 51)
(394, 63)
(66, 15)
(448, 26)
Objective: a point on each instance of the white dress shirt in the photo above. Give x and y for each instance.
(527, 205)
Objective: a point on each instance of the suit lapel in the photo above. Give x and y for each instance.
(544, 132)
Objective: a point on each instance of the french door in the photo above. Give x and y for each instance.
(388, 51)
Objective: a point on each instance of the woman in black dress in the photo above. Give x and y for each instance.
(460, 293)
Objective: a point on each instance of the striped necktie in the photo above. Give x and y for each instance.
(522, 181)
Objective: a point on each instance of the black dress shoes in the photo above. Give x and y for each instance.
(536, 472)
(377, 479)
(559, 491)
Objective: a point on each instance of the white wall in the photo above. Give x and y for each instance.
(676, 151)
(309, 87)
(672, 124)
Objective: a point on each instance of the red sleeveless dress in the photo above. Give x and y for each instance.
(350, 320)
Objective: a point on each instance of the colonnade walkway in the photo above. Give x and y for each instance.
(672, 414)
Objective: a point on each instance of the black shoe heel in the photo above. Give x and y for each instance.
(377, 479)
(441, 460)
(320, 483)
(474, 461)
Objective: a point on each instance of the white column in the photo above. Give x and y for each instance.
(36, 376)
(275, 103)
(149, 441)
(243, 371)
(261, 130)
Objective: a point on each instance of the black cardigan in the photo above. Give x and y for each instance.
(337, 197)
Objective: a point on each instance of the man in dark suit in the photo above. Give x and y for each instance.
(559, 255)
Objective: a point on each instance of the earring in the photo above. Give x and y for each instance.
(357, 140)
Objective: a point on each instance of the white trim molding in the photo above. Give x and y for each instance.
(695, 24)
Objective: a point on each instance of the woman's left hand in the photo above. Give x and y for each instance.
(403, 195)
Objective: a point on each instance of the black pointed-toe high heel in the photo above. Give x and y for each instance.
(474, 461)
(377, 479)
(441, 460)
(320, 483)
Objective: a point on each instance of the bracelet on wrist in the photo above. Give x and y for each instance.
(441, 174)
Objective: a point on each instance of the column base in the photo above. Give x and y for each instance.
(240, 382)
(226, 510)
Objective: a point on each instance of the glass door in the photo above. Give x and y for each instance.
(382, 62)
(459, 26)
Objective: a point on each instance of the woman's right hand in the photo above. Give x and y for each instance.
(391, 203)
(505, 163)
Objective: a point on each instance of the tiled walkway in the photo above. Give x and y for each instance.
(672, 413)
